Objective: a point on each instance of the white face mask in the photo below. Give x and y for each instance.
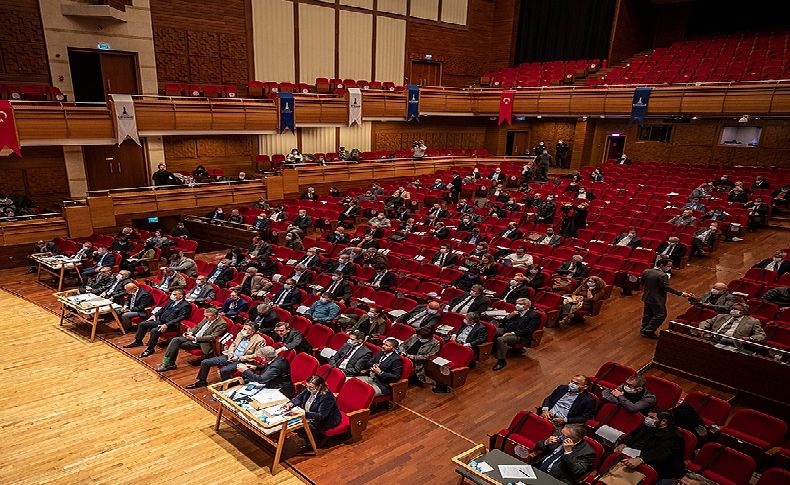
(513, 282)
(287, 287)
(335, 278)
(173, 298)
(520, 307)
(431, 311)
(651, 422)
(736, 313)
(591, 284)
(534, 271)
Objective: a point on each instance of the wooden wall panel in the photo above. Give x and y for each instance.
(40, 175)
(273, 38)
(23, 57)
(390, 49)
(355, 56)
(232, 154)
(425, 9)
(201, 42)
(316, 42)
(447, 133)
(392, 6)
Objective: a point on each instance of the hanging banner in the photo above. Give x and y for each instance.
(125, 120)
(8, 135)
(639, 105)
(287, 112)
(354, 106)
(413, 104)
(506, 107)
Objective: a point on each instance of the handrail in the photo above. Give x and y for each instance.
(630, 85)
(154, 188)
(738, 341)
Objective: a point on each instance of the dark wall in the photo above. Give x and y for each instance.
(23, 57)
(550, 30)
(731, 16)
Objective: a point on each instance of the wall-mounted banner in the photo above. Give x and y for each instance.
(8, 135)
(413, 103)
(287, 112)
(639, 105)
(125, 120)
(506, 107)
(354, 106)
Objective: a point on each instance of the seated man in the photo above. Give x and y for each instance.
(419, 348)
(353, 358)
(116, 290)
(686, 218)
(570, 403)
(99, 283)
(343, 264)
(323, 310)
(704, 239)
(471, 333)
(379, 220)
(234, 305)
(102, 258)
(672, 249)
(629, 239)
(339, 236)
(171, 281)
(511, 231)
(575, 268)
(695, 205)
(736, 323)
(422, 316)
(243, 349)
(779, 296)
(444, 257)
(549, 238)
(290, 338)
(235, 217)
(182, 264)
(440, 231)
(274, 372)
(310, 260)
(261, 222)
(263, 317)
(201, 292)
(386, 367)
(309, 194)
(517, 327)
(631, 395)
(383, 279)
(200, 337)
(567, 457)
(338, 288)
(253, 283)
(180, 231)
(717, 298)
(302, 222)
(167, 319)
(660, 445)
(777, 263)
(301, 276)
(288, 297)
(473, 301)
(158, 240)
(520, 258)
(349, 214)
(221, 274)
(516, 290)
(135, 304)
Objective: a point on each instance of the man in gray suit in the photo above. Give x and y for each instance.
(353, 358)
(654, 296)
(202, 337)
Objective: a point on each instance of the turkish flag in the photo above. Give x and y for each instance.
(506, 107)
(8, 135)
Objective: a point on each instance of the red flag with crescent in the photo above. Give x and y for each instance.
(506, 107)
(8, 135)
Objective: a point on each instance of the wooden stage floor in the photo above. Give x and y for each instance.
(413, 442)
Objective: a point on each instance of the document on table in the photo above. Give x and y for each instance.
(517, 471)
(484, 467)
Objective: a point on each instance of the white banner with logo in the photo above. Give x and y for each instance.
(125, 120)
(354, 106)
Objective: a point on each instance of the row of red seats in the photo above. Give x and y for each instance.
(31, 92)
(276, 161)
(540, 73)
(200, 90)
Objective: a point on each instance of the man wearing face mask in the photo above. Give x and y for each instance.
(673, 250)
(517, 327)
(353, 358)
(497, 177)
(338, 288)
(520, 258)
(570, 403)
(383, 279)
(221, 274)
(422, 316)
(660, 444)
(201, 292)
(116, 290)
(243, 349)
(170, 281)
(288, 296)
(575, 267)
(342, 265)
(473, 301)
(419, 348)
(100, 283)
(717, 298)
(167, 319)
(339, 236)
(549, 238)
(302, 222)
(631, 395)
(323, 309)
(517, 289)
(471, 333)
(372, 324)
(261, 223)
(301, 276)
(546, 210)
(467, 224)
(291, 338)
(234, 305)
(566, 457)
(309, 260)
(274, 371)
(263, 317)
(736, 323)
(444, 257)
(386, 367)
(216, 215)
(629, 239)
(777, 263)
(200, 337)
(704, 240)
(475, 238)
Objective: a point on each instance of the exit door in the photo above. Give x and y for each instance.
(517, 142)
(113, 167)
(426, 73)
(615, 145)
(97, 74)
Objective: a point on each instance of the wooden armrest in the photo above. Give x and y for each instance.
(358, 422)
(399, 390)
(484, 350)
(224, 385)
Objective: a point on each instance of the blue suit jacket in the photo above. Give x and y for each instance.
(582, 409)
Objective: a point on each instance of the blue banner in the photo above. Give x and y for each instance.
(287, 112)
(413, 104)
(639, 105)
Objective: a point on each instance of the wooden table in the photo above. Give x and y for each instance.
(86, 308)
(56, 266)
(250, 415)
(494, 458)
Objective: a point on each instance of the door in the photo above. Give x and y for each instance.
(426, 73)
(517, 142)
(119, 73)
(615, 144)
(96, 74)
(112, 167)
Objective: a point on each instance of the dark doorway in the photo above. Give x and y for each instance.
(426, 73)
(113, 167)
(615, 144)
(96, 74)
(517, 142)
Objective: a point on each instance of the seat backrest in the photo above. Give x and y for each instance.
(612, 374)
(337, 340)
(318, 335)
(534, 428)
(760, 425)
(355, 395)
(622, 419)
(774, 476)
(334, 377)
(651, 477)
(732, 465)
(689, 443)
(599, 451)
(303, 366)
(300, 323)
(408, 368)
(667, 392)
(457, 354)
(400, 331)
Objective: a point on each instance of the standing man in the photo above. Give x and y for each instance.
(656, 287)
(544, 162)
(455, 188)
(562, 154)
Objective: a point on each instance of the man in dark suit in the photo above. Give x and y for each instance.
(575, 267)
(570, 403)
(386, 367)
(455, 188)
(511, 231)
(517, 327)
(422, 316)
(348, 216)
(444, 257)
(497, 177)
(301, 222)
(354, 356)
(549, 238)
(274, 372)
(216, 215)
(201, 292)
(338, 288)
(440, 231)
(288, 296)
(517, 289)
(473, 301)
(655, 283)
(135, 304)
(660, 444)
(234, 305)
(261, 223)
(116, 290)
(705, 239)
(569, 457)
(777, 263)
(291, 339)
(264, 318)
(383, 279)
(465, 208)
(167, 319)
(100, 283)
(309, 260)
(309, 194)
(338, 236)
(342, 265)
(673, 250)
(301, 276)
(201, 337)
(103, 259)
(471, 333)
(221, 274)
(438, 212)
(629, 239)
